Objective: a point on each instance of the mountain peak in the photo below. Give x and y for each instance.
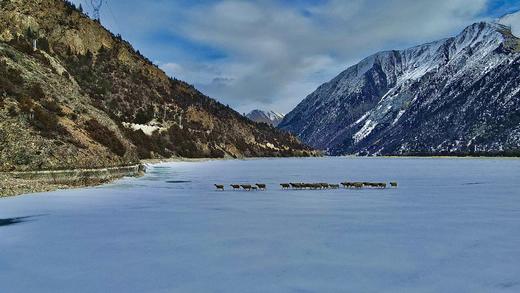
(488, 30)
(266, 116)
(483, 26)
(480, 31)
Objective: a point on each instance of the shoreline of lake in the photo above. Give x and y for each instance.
(11, 186)
(29, 182)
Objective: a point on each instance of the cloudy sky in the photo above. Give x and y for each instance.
(270, 54)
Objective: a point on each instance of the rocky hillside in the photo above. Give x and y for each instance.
(270, 117)
(459, 95)
(86, 98)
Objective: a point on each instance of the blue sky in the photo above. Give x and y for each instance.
(270, 54)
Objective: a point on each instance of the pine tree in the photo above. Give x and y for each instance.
(80, 8)
(30, 33)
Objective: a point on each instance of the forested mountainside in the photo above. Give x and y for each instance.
(456, 96)
(86, 98)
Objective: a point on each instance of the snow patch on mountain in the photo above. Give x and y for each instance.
(365, 130)
(399, 115)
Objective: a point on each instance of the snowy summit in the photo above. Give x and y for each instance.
(270, 117)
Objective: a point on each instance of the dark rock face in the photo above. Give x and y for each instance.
(460, 95)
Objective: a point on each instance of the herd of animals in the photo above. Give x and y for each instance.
(308, 186)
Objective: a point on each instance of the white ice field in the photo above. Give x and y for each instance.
(453, 225)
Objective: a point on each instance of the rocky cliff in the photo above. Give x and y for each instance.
(459, 95)
(84, 98)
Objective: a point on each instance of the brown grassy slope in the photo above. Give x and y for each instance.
(71, 98)
(44, 120)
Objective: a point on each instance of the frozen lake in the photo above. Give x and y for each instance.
(453, 225)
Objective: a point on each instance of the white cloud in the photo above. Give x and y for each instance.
(201, 73)
(283, 47)
(513, 20)
(277, 52)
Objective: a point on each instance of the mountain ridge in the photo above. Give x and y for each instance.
(385, 104)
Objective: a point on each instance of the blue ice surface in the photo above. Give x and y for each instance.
(453, 225)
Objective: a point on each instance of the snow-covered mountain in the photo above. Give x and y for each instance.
(270, 117)
(456, 95)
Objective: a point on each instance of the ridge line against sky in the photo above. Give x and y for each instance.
(271, 54)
